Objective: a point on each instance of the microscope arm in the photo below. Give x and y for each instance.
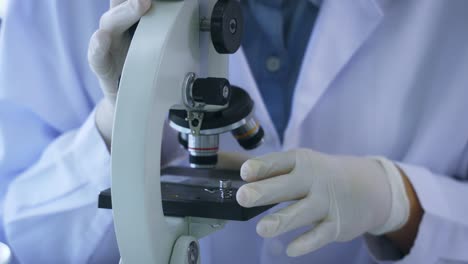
(165, 47)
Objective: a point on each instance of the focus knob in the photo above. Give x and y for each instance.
(227, 24)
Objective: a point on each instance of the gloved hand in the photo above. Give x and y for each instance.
(5, 254)
(231, 160)
(107, 51)
(340, 197)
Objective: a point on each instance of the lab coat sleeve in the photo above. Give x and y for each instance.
(51, 213)
(443, 232)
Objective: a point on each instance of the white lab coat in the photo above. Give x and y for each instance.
(380, 77)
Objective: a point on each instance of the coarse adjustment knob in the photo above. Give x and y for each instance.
(211, 91)
(227, 24)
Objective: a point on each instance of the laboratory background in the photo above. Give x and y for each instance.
(233, 131)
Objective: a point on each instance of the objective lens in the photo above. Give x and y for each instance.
(203, 150)
(249, 135)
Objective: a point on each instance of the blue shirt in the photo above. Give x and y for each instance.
(276, 35)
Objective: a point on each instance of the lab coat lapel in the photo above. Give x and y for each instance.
(340, 30)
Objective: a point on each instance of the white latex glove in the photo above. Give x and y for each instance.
(340, 197)
(5, 254)
(107, 51)
(231, 160)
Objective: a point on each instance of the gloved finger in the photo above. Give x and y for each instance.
(120, 18)
(231, 160)
(99, 56)
(270, 191)
(100, 61)
(114, 3)
(304, 212)
(321, 235)
(267, 166)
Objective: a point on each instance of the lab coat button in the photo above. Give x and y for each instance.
(273, 64)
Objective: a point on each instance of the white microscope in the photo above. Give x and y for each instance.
(176, 71)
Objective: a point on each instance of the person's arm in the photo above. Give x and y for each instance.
(404, 237)
(51, 151)
(51, 212)
(53, 162)
(439, 230)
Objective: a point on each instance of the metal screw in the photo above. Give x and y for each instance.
(205, 24)
(195, 122)
(225, 91)
(192, 253)
(225, 189)
(225, 184)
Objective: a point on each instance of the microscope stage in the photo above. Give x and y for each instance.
(196, 192)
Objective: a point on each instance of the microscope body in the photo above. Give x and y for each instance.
(175, 68)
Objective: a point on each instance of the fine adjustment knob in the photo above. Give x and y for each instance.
(227, 24)
(211, 91)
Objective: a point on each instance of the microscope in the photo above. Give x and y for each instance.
(176, 72)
